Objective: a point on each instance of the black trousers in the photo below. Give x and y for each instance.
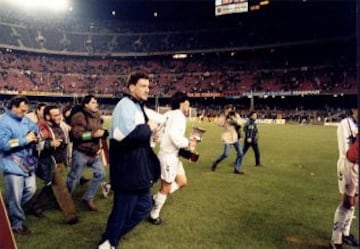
(128, 210)
(255, 148)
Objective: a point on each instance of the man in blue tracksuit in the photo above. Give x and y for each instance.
(133, 164)
(18, 135)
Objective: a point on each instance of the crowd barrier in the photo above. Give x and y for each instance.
(271, 121)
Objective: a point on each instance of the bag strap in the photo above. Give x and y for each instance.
(349, 125)
(20, 163)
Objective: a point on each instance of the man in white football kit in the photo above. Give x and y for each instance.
(172, 138)
(348, 184)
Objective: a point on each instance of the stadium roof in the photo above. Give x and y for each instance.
(323, 13)
(280, 22)
(190, 10)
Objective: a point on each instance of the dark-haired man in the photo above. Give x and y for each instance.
(133, 164)
(52, 163)
(38, 114)
(86, 132)
(172, 138)
(251, 137)
(18, 135)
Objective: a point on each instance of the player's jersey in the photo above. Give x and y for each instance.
(172, 136)
(347, 172)
(346, 128)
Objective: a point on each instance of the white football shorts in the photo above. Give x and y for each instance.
(348, 177)
(171, 166)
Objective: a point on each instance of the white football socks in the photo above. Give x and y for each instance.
(174, 187)
(340, 217)
(159, 203)
(348, 220)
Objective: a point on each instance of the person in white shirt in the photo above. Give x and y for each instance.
(172, 138)
(347, 181)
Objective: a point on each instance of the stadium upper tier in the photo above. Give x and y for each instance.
(66, 35)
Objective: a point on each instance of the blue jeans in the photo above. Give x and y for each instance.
(79, 161)
(19, 190)
(129, 209)
(226, 153)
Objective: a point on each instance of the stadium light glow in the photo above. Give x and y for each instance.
(179, 56)
(55, 5)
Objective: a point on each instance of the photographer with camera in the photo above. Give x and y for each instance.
(230, 121)
(18, 135)
(347, 182)
(86, 133)
(52, 163)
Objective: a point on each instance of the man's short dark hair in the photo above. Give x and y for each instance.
(48, 108)
(228, 106)
(16, 101)
(177, 99)
(66, 109)
(86, 99)
(40, 105)
(251, 113)
(134, 78)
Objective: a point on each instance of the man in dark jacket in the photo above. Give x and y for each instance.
(86, 132)
(52, 161)
(133, 164)
(251, 137)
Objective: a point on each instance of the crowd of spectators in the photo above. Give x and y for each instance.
(68, 75)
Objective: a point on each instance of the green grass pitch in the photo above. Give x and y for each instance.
(288, 204)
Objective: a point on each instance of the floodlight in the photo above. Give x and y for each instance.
(41, 4)
(179, 56)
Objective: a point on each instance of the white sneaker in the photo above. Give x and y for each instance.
(106, 245)
(105, 188)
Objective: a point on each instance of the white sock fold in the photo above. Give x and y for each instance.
(174, 186)
(159, 203)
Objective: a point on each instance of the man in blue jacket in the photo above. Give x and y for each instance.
(133, 164)
(18, 136)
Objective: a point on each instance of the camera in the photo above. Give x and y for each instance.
(62, 145)
(106, 134)
(36, 135)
